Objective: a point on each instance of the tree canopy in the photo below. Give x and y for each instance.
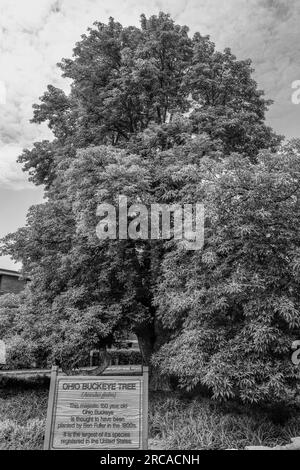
(162, 117)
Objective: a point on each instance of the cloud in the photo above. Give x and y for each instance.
(36, 34)
(11, 175)
(2, 93)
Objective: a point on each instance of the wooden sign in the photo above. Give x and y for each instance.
(100, 412)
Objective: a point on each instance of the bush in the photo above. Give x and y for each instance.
(125, 356)
(18, 384)
(20, 354)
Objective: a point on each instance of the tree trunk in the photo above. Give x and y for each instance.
(149, 342)
(146, 344)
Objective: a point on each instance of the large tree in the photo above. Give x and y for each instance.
(146, 106)
(234, 307)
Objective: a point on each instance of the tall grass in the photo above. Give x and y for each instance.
(23, 406)
(13, 436)
(183, 424)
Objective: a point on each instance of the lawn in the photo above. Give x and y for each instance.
(175, 422)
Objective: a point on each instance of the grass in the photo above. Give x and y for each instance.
(200, 424)
(174, 422)
(23, 406)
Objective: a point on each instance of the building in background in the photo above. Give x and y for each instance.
(11, 282)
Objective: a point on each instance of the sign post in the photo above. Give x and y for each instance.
(97, 412)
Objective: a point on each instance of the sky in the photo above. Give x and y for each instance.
(36, 34)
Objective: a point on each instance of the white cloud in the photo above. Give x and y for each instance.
(2, 93)
(36, 34)
(11, 175)
(7, 263)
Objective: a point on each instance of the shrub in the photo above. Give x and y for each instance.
(20, 353)
(125, 356)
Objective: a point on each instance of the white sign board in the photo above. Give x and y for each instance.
(100, 412)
